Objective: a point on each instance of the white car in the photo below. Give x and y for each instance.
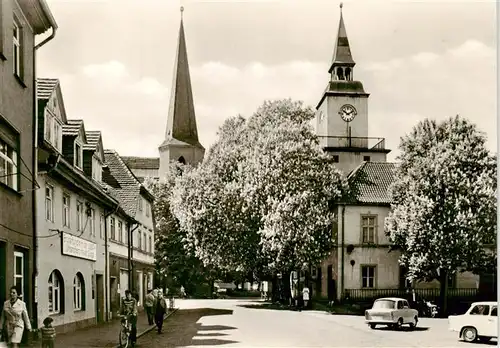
(391, 311)
(480, 322)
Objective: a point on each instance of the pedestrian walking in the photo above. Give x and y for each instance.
(48, 333)
(305, 296)
(148, 306)
(15, 318)
(161, 308)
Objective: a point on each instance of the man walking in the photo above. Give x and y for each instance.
(160, 309)
(149, 302)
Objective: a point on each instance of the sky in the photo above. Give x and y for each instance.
(114, 58)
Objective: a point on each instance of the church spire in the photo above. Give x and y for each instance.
(181, 122)
(342, 52)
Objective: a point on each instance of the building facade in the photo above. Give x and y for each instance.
(74, 208)
(363, 264)
(20, 23)
(132, 246)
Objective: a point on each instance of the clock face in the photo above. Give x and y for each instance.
(347, 112)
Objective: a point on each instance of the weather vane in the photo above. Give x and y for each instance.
(341, 5)
(182, 10)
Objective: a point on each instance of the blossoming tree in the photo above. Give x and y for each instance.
(443, 215)
(260, 199)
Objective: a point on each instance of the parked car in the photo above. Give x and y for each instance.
(393, 312)
(480, 322)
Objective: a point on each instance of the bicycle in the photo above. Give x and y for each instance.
(125, 330)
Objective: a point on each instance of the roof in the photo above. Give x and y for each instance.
(391, 299)
(45, 87)
(181, 119)
(141, 162)
(342, 51)
(92, 139)
(72, 127)
(370, 182)
(123, 182)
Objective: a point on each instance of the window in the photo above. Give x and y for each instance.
(150, 246)
(16, 49)
(120, 232)
(78, 156)
(480, 310)
(125, 234)
(55, 141)
(368, 229)
(56, 293)
(452, 280)
(368, 277)
(335, 159)
(140, 203)
(19, 273)
(49, 203)
(494, 312)
(144, 242)
(48, 127)
(139, 239)
(78, 292)
(92, 222)
(148, 209)
(112, 228)
(101, 226)
(366, 158)
(79, 216)
(8, 166)
(66, 210)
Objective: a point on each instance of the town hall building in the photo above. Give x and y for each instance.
(362, 265)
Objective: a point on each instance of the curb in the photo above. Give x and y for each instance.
(151, 328)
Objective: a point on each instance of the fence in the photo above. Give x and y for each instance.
(429, 294)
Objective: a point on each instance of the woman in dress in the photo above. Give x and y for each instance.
(15, 318)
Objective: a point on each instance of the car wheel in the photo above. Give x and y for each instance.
(414, 323)
(469, 334)
(399, 324)
(373, 326)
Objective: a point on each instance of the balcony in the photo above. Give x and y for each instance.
(354, 143)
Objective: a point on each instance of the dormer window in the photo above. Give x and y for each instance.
(78, 156)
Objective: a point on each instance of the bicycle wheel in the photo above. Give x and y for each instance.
(124, 338)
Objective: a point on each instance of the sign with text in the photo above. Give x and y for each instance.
(78, 247)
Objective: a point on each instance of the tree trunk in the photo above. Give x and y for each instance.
(274, 289)
(443, 294)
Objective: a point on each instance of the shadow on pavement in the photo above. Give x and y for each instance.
(267, 305)
(183, 329)
(403, 329)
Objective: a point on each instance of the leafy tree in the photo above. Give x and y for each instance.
(260, 199)
(444, 201)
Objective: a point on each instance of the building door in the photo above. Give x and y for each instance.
(140, 287)
(123, 282)
(3, 273)
(319, 282)
(99, 297)
(331, 284)
(114, 294)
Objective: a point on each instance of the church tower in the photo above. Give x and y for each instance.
(181, 137)
(342, 113)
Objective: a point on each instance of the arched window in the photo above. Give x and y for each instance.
(182, 160)
(56, 292)
(78, 292)
(348, 74)
(340, 73)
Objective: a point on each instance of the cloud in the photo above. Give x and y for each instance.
(131, 109)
